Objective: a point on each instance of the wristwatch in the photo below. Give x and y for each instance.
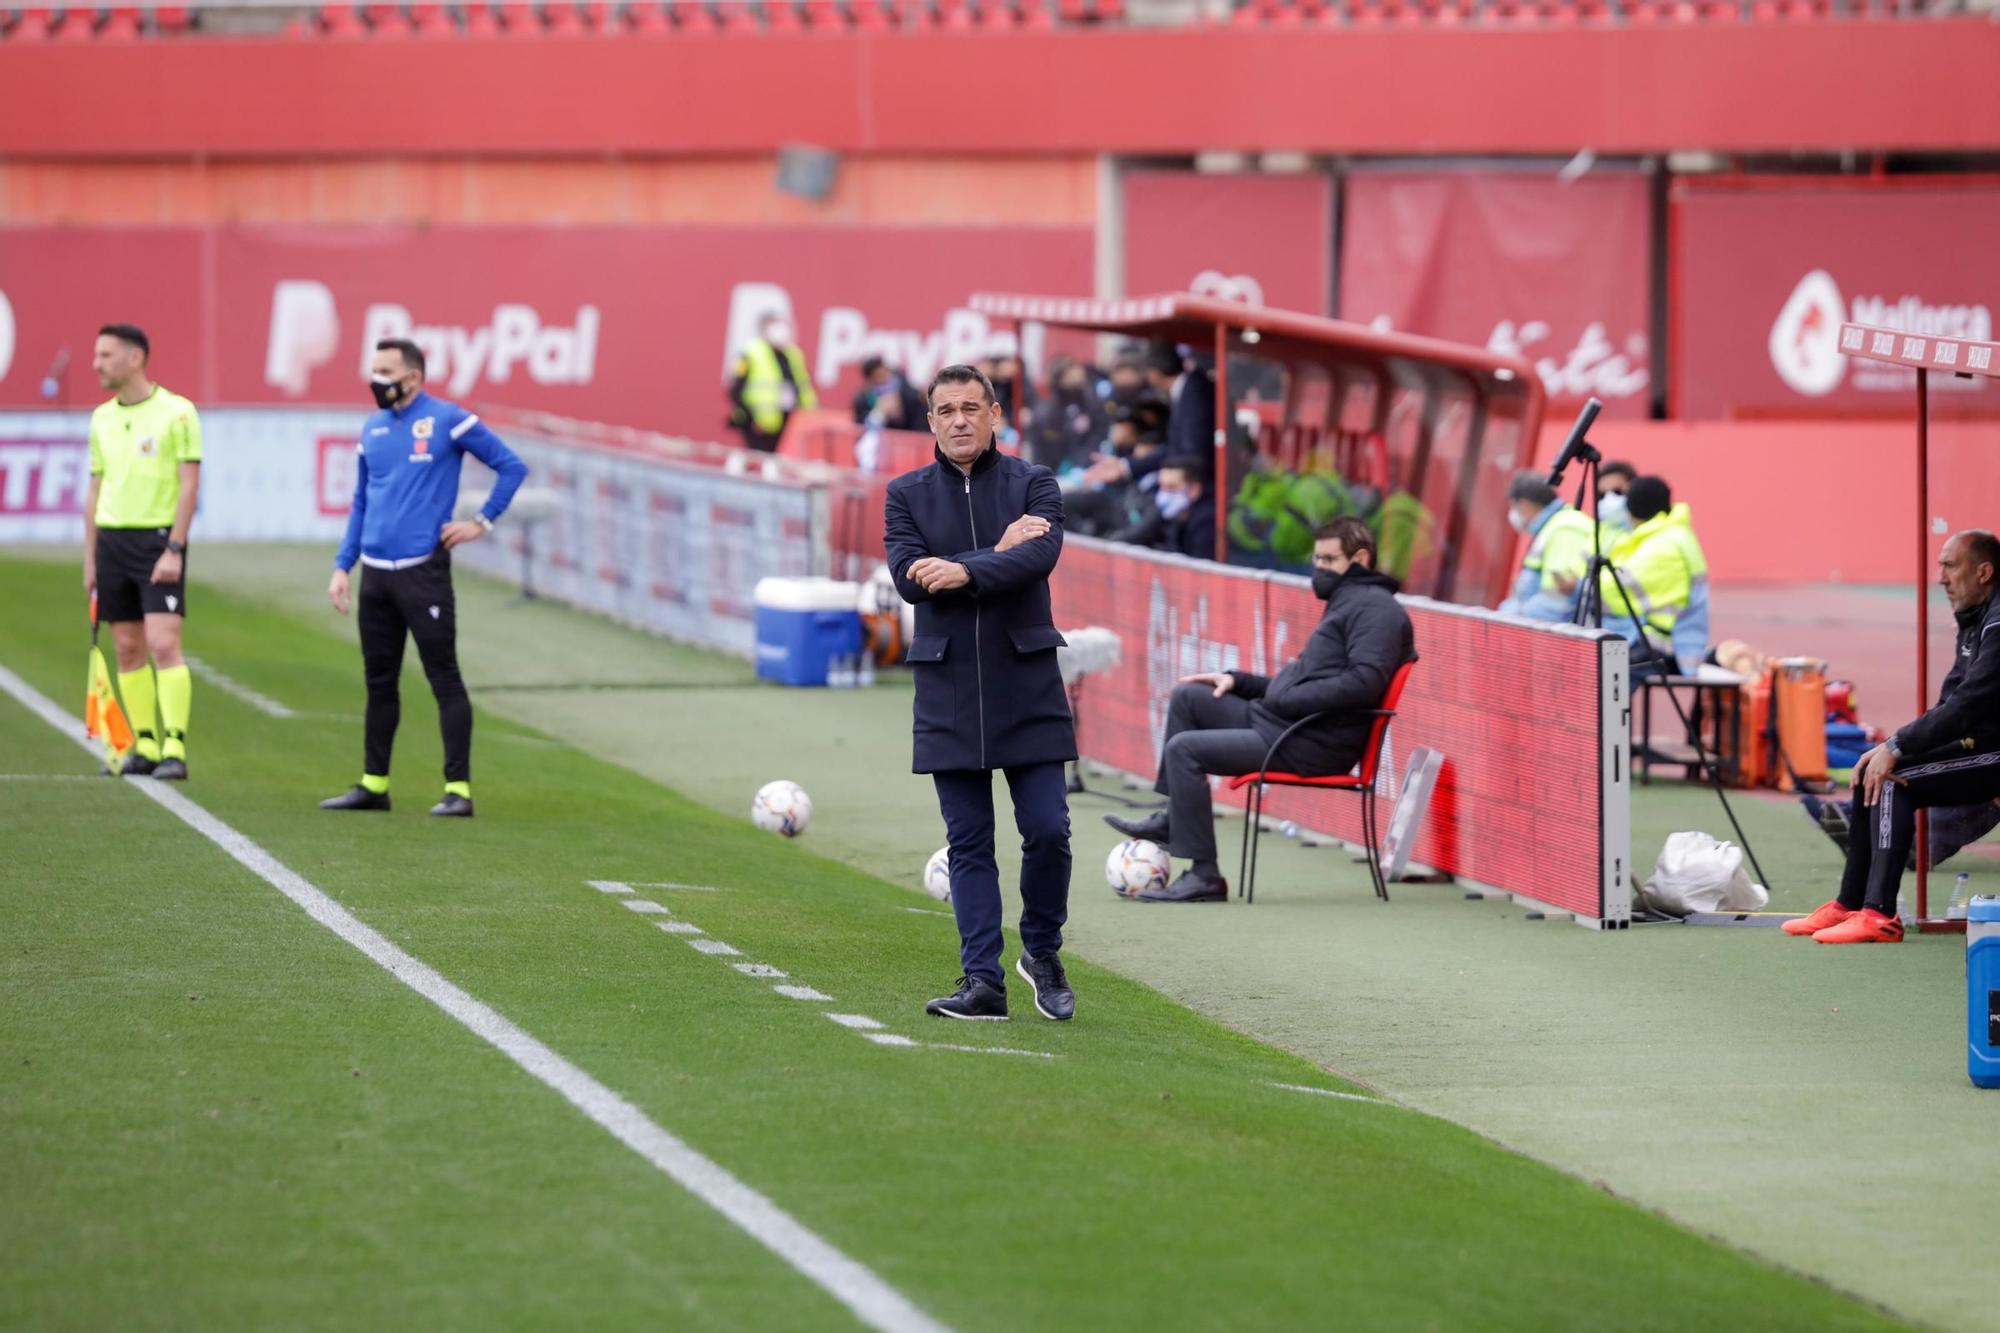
(483, 521)
(178, 548)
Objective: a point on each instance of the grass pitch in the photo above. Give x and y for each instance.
(214, 1113)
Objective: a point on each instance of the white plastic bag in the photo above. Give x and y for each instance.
(1696, 873)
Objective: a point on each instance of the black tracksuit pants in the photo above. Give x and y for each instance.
(396, 605)
(1879, 845)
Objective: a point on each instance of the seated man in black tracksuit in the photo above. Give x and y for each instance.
(1949, 756)
(1225, 722)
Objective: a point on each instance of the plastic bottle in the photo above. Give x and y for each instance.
(1961, 897)
(865, 677)
(839, 674)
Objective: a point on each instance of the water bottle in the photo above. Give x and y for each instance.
(865, 677)
(839, 672)
(1961, 897)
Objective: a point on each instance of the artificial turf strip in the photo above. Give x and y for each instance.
(218, 1161)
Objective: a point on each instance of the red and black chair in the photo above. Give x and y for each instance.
(1361, 783)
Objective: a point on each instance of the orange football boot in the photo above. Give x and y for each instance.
(1866, 926)
(1826, 914)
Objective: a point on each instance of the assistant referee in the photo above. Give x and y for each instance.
(145, 473)
(400, 528)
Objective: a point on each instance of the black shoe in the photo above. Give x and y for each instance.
(171, 770)
(974, 998)
(357, 797)
(1153, 828)
(454, 805)
(1190, 888)
(138, 766)
(1053, 997)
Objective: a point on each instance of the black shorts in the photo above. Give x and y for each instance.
(125, 587)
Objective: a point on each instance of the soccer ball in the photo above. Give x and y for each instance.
(937, 875)
(782, 807)
(1136, 865)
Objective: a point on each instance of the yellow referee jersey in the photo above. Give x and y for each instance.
(138, 451)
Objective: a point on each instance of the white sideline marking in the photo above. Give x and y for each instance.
(51, 777)
(715, 946)
(987, 1050)
(872, 1300)
(685, 888)
(263, 703)
(757, 969)
(1329, 1092)
(888, 1039)
(858, 1021)
(608, 886)
(926, 911)
(646, 905)
(803, 993)
(680, 927)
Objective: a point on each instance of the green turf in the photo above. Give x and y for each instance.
(215, 1114)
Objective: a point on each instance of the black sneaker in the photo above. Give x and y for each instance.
(454, 806)
(1153, 828)
(1190, 888)
(357, 797)
(137, 766)
(171, 770)
(974, 998)
(1053, 997)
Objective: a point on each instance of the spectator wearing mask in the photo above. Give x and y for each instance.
(1226, 722)
(1558, 552)
(1613, 480)
(1186, 508)
(1661, 565)
(768, 383)
(1106, 501)
(888, 400)
(1128, 381)
(1067, 427)
(1189, 391)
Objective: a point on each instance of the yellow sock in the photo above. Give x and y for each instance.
(136, 687)
(458, 789)
(376, 784)
(176, 698)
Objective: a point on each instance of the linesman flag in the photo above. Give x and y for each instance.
(103, 715)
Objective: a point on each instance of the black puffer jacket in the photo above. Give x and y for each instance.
(1345, 667)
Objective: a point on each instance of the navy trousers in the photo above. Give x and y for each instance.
(1879, 843)
(1041, 814)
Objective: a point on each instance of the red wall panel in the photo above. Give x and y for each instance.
(1265, 239)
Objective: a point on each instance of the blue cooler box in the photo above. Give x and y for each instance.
(1982, 987)
(802, 624)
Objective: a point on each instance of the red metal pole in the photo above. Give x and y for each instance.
(1923, 616)
(1223, 441)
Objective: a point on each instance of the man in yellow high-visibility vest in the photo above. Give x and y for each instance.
(1559, 544)
(769, 382)
(1666, 575)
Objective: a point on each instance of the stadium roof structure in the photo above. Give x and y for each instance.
(1495, 387)
(1928, 356)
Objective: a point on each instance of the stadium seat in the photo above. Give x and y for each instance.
(869, 16)
(1036, 15)
(122, 25)
(78, 24)
(1361, 784)
(956, 15)
(825, 16)
(517, 20)
(648, 18)
(914, 15)
(341, 21)
(694, 18)
(738, 17)
(783, 16)
(387, 21)
(434, 21)
(171, 19)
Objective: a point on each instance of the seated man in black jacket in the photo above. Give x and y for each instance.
(1225, 722)
(1950, 756)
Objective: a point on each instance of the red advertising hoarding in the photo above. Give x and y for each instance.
(1522, 264)
(1531, 797)
(632, 325)
(1263, 239)
(1765, 275)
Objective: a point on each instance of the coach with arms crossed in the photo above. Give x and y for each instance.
(972, 540)
(400, 528)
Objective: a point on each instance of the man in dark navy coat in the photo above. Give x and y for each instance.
(972, 540)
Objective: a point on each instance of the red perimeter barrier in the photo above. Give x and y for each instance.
(1531, 719)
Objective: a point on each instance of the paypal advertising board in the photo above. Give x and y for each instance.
(627, 325)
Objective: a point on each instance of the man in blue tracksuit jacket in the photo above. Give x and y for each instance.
(405, 488)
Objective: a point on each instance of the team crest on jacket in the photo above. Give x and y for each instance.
(148, 445)
(422, 429)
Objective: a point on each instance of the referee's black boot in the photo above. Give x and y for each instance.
(136, 765)
(454, 805)
(171, 769)
(357, 797)
(975, 998)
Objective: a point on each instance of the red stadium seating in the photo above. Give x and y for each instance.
(434, 21)
(78, 25)
(122, 25)
(517, 20)
(341, 21)
(387, 21)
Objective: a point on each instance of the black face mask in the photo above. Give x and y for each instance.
(1325, 583)
(386, 395)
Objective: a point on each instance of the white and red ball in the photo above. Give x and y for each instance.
(782, 807)
(1136, 865)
